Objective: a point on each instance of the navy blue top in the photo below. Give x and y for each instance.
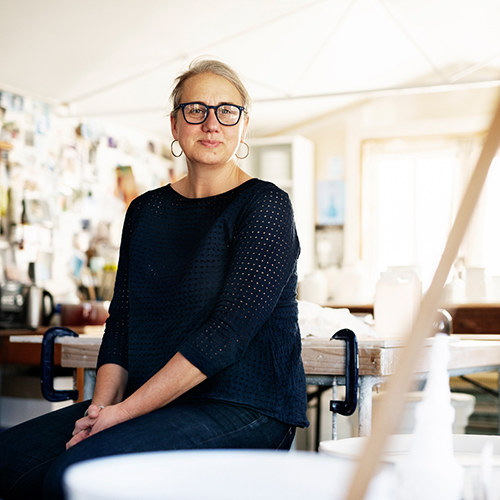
(214, 279)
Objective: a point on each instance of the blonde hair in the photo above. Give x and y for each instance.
(200, 66)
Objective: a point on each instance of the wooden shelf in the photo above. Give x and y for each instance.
(467, 318)
(6, 146)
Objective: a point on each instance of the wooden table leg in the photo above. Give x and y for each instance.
(80, 377)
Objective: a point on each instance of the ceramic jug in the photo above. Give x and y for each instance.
(40, 307)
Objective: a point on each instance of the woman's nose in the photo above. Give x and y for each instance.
(211, 123)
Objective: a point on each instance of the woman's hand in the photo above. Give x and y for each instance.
(97, 419)
(174, 379)
(109, 416)
(84, 425)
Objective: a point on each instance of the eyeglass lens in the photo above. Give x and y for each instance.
(227, 114)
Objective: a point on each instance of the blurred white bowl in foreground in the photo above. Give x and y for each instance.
(210, 475)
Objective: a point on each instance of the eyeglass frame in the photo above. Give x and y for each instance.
(215, 108)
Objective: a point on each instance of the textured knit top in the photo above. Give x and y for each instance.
(214, 279)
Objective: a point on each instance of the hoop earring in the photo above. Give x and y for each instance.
(248, 151)
(172, 149)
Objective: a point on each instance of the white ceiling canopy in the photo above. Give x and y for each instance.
(299, 58)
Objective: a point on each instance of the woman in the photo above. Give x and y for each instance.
(202, 346)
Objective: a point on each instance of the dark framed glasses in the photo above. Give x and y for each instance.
(197, 112)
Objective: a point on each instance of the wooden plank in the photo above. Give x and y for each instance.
(474, 353)
(320, 359)
(320, 356)
(79, 355)
(478, 336)
(324, 357)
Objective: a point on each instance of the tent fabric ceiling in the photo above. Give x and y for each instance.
(300, 58)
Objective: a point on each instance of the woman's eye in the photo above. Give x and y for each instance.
(228, 110)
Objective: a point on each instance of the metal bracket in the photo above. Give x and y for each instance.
(348, 406)
(47, 365)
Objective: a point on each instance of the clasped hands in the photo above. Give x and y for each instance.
(96, 420)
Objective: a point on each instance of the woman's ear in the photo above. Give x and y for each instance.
(244, 128)
(173, 126)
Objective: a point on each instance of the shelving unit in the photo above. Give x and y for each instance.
(288, 161)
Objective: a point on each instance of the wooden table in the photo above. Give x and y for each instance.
(324, 362)
(378, 359)
(29, 352)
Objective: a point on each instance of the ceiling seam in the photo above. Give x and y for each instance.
(407, 34)
(368, 93)
(472, 69)
(322, 47)
(380, 92)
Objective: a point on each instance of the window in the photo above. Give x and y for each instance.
(490, 211)
(411, 191)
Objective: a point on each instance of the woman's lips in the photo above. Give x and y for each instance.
(210, 144)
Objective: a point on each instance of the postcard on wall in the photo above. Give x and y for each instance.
(330, 200)
(126, 188)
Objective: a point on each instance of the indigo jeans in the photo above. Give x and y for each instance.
(33, 457)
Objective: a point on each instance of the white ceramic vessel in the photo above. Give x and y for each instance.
(467, 450)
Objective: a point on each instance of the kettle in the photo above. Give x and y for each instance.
(40, 307)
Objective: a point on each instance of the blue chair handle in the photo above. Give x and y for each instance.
(348, 406)
(47, 365)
